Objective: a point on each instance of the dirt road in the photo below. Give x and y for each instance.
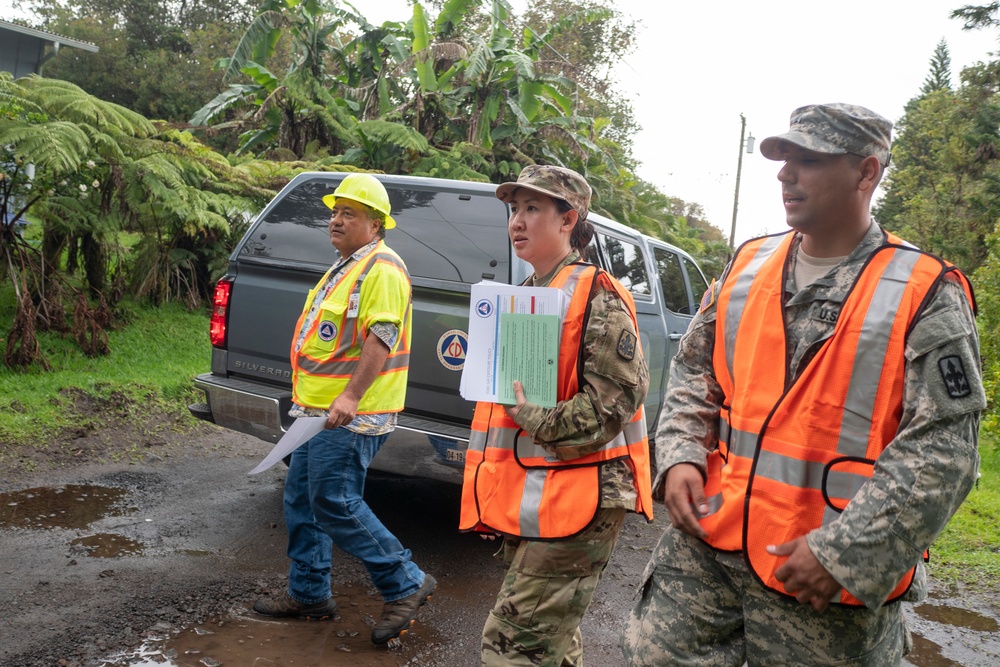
(155, 560)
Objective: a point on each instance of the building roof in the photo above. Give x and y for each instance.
(48, 36)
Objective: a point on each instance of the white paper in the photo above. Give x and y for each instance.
(298, 433)
(488, 300)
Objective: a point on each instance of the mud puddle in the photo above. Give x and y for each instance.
(948, 636)
(105, 545)
(67, 506)
(260, 643)
(243, 638)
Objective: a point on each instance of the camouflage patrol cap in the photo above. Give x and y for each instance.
(835, 129)
(556, 182)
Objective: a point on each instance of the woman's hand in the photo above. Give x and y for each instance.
(521, 400)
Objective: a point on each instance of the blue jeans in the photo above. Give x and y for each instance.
(324, 505)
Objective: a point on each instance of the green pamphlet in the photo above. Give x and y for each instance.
(529, 352)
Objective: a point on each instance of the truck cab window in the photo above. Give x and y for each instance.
(295, 228)
(439, 234)
(675, 294)
(448, 236)
(696, 278)
(625, 262)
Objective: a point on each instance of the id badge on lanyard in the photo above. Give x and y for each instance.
(353, 304)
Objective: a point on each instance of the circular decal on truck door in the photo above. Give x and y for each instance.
(451, 349)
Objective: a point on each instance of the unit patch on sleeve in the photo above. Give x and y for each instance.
(708, 298)
(626, 345)
(953, 374)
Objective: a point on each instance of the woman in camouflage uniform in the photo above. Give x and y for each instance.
(593, 442)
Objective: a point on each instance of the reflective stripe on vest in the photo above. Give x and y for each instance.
(516, 487)
(320, 375)
(790, 459)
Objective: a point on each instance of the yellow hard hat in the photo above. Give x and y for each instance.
(366, 189)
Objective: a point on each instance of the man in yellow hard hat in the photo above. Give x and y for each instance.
(349, 360)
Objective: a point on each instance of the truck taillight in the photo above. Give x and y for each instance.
(220, 307)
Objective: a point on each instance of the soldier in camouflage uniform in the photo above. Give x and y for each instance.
(550, 583)
(700, 606)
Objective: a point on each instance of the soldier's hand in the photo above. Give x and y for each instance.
(684, 495)
(519, 397)
(803, 575)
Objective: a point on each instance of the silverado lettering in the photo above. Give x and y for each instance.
(266, 370)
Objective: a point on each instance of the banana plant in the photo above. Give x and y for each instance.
(290, 110)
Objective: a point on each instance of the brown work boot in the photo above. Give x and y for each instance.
(399, 615)
(285, 605)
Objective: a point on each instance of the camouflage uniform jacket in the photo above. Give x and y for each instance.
(924, 473)
(611, 390)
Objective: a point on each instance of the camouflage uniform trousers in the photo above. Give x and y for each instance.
(545, 593)
(701, 607)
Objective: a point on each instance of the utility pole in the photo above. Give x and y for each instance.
(748, 142)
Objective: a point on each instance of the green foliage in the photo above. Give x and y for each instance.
(155, 57)
(100, 169)
(472, 94)
(926, 190)
(939, 78)
(464, 96)
(986, 282)
(941, 192)
(151, 362)
(978, 16)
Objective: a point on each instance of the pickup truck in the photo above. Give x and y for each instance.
(451, 234)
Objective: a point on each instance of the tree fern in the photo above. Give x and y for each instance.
(405, 137)
(57, 145)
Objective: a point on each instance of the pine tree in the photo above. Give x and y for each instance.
(939, 78)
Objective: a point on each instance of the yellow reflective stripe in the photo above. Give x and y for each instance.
(397, 361)
(387, 258)
(348, 366)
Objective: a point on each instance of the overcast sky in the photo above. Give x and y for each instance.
(699, 65)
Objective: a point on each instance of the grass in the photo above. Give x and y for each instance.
(968, 550)
(151, 363)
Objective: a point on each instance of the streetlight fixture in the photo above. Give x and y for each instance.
(748, 142)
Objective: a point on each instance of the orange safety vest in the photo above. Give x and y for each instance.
(515, 487)
(331, 349)
(790, 458)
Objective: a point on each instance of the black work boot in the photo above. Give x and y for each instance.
(285, 605)
(399, 615)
